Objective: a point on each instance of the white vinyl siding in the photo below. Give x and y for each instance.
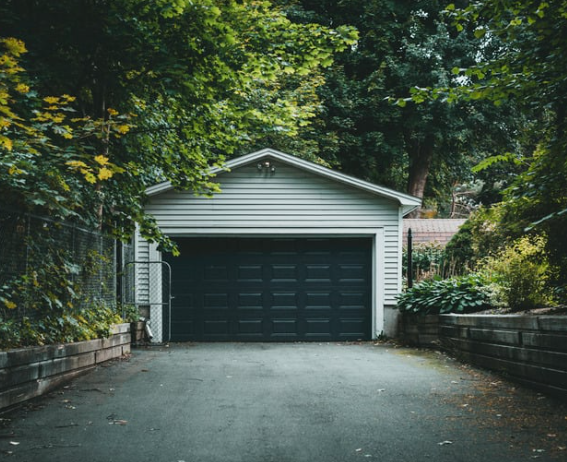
(141, 272)
(290, 201)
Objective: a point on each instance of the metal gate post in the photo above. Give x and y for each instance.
(139, 289)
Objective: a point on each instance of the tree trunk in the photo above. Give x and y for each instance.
(420, 155)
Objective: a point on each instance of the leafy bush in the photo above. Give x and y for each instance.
(427, 260)
(519, 275)
(9, 333)
(439, 296)
(481, 235)
(63, 328)
(130, 313)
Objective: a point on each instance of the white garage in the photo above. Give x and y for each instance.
(289, 251)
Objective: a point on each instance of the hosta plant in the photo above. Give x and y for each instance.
(441, 296)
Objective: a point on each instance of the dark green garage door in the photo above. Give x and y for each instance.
(271, 289)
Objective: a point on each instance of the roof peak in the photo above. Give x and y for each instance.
(407, 202)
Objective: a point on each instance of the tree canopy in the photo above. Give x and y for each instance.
(423, 149)
(159, 90)
(529, 70)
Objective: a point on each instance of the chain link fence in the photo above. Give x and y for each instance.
(49, 265)
(147, 286)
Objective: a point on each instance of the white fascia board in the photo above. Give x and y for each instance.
(408, 209)
(403, 199)
(408, 202)
(159, 188)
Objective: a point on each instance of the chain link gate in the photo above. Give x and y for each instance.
(147, 285)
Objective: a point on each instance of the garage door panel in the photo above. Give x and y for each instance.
(355, 326)
(250, 273)
(318, 327)
(352, 273)
(216, 328)
(318, 300)
(250, 301)
(215, 273)
(285, 273)
(251, 327)
(283, 247)
(353, 300)
(181, 329)
(285, 326)
(318, 273)
(215, 301)
(284, 300)
(266, 289)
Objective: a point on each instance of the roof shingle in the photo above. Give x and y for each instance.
(432, 230)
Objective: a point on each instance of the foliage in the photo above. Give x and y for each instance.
(59, 279)
(57, 282)
(440, 296)
(423, 149)
(146, 91)
(87, 324)
(194, 81)
(130, 313)
(481, 235)
(428, 261)
(520, 275)
(530, 69)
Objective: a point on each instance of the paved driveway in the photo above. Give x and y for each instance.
(286, 402)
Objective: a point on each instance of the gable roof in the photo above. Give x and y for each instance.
(407, 202)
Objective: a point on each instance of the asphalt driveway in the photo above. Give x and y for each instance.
(286, 402)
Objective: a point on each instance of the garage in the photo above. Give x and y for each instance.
(289, 250)
(272, 289)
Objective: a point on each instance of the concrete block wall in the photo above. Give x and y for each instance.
(528, 349)
(29, 372)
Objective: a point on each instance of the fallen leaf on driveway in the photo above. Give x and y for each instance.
(112, 420)
(118, 422)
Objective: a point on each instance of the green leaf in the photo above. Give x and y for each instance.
(480, 32)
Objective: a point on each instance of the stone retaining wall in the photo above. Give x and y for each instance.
(528, 349)
(29, 372)
(419, 331)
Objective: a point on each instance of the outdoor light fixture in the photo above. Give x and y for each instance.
(266, 166)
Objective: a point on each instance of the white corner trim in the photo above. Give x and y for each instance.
(378, 270)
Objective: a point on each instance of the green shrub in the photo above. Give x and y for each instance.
(130, 313)
(9, 333)
(53, 328)
(427, 260)
(519, 275)
(481, 235)
(439, 296)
